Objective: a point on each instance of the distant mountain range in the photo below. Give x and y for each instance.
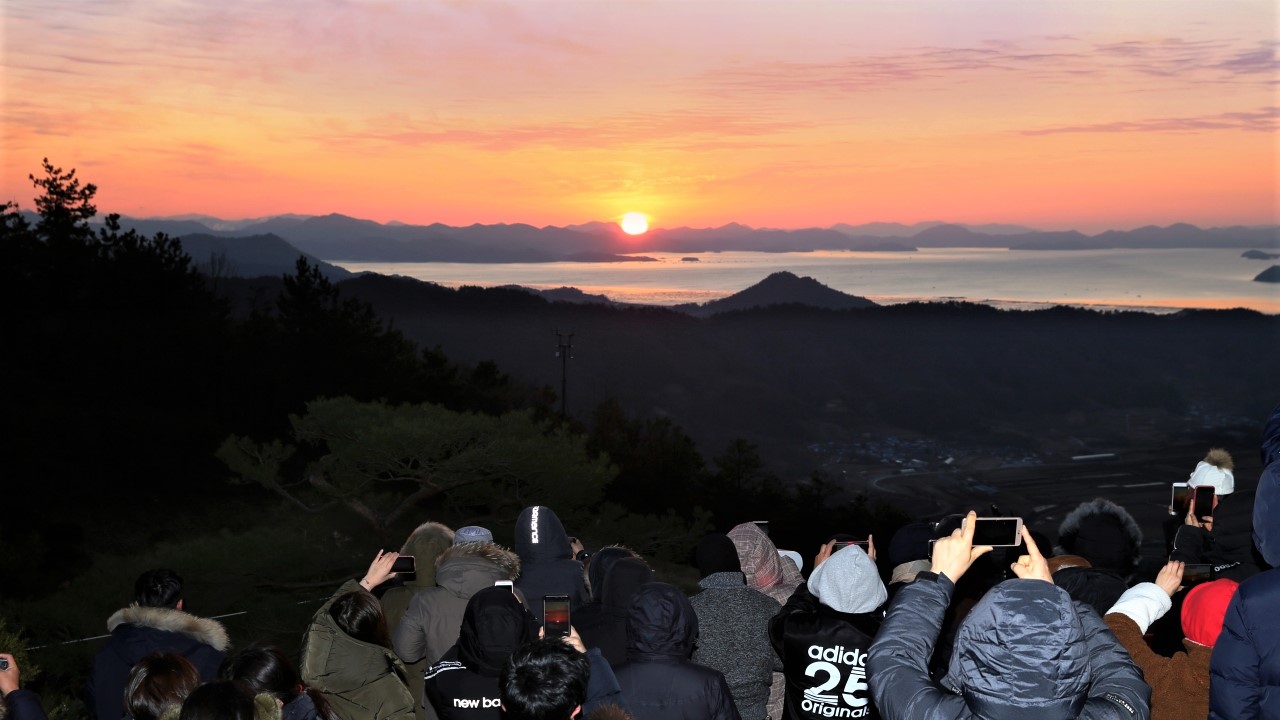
(338, 238)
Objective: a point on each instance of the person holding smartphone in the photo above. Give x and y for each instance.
(1025, 650)
(1224, 536)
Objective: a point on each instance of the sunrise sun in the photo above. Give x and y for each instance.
(634, 223)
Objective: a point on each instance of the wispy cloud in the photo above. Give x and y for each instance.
(1262, 120)
(1062, 59)
(616, 131)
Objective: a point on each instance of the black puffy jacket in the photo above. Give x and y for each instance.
(658, 680)
(1024, 651)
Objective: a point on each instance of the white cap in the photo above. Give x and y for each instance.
(794, 556)
(1223, 482)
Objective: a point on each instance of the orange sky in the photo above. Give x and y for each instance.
(1086, 114)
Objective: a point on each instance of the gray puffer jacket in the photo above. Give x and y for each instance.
(1025, 650)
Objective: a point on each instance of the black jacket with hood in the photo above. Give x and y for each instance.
(1245, 668)
(138, 631)
(658, 680)
(1024, 651)
(464, 684)
(547, 566)
(823, 634)
(604, 624)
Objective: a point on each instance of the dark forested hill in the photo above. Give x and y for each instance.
(789, 375)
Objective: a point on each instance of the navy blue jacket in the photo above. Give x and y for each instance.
(1244, 673)
(139, 631)
(23, 704)
(1024, 651)
(658, 680)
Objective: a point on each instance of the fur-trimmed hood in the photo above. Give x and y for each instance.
(467, 568)
(425, 544)
(204, 630)
(1103, 533)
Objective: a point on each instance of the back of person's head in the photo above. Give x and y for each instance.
(1022, 646)
(848, 582)
(161, 588)
(910, 543)
(661, 622)
(1103, 533)
(620, 585)
(227, 700)
(597, 566)
(268, 670)
(1096, 588)
(157, 686)
(543, 680)
(1204, 608)
(359, 614)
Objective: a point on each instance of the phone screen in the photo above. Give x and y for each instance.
(555, 615)
(998, 532)
(403, 564)
(1204, 502)
(1196, 572)
(1178, 497)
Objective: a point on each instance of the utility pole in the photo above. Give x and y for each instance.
(564, 350)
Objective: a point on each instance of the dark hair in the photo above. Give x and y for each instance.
(221, 700)
(268, 670)
(359, 614)
(158, 682)
(161, 587)
(543, 680)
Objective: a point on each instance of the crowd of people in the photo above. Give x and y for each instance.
(952, 628)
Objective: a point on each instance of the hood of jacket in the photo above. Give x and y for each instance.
(620, 585)
(761, 565)
(425, 544)
(203, 630)
(1022, 647)
(1103, 533)
(466, 569)
(598, 567)
(493, 626)
(540, 537)
(661, 623)
(848, 582)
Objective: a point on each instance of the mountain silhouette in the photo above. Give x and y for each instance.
(254, 256)
(781, 288)
(1270, 275)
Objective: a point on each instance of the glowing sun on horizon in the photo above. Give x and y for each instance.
(634, 223)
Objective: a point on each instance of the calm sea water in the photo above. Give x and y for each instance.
(1150, 280)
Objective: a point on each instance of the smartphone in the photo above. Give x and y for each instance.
(931, 542)
(1203, 502)
(506, 584)
(403, 564)
(1178, 498)
(763, 525)
(846, 543)
(555, 615)
(1196, 573)
(998, 532)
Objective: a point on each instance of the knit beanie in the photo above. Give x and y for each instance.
(1204, 609)
(1214, 470)
(472, 533)
(848, 582)
(715, 554)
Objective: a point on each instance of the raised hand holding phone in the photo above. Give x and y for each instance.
(952, 555)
